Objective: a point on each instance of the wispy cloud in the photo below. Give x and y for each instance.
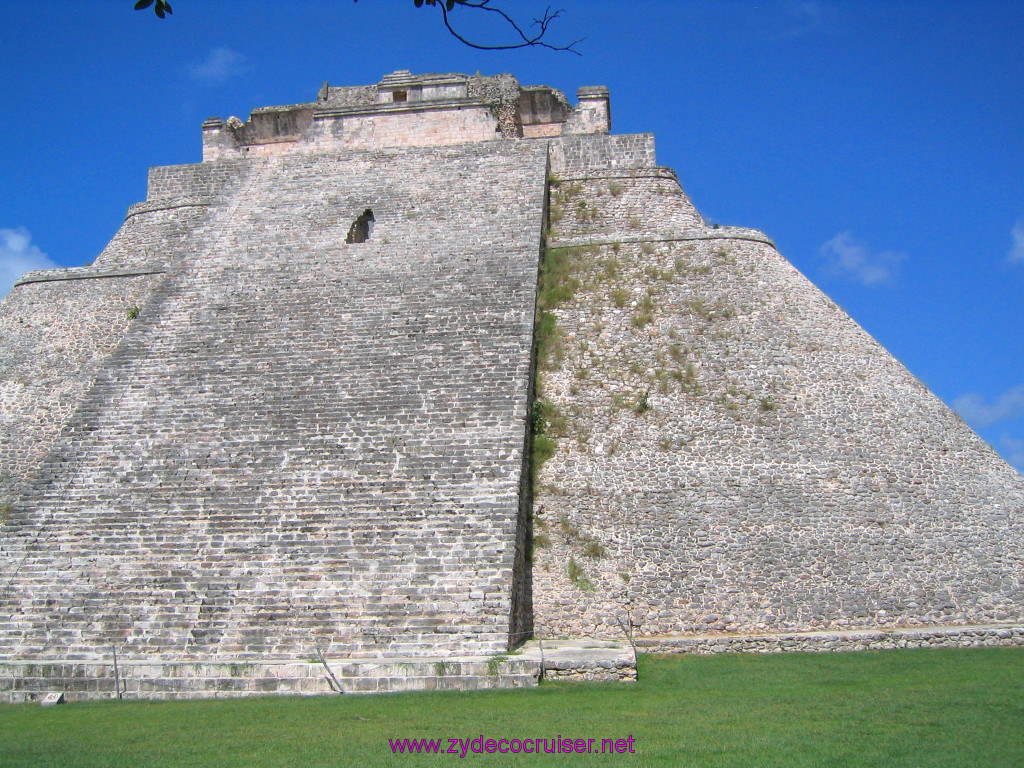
(846, 257)
(1016, 254)
(1013, 451)
(219, 65)
(18, 255)
(980, 413)
(806, 17)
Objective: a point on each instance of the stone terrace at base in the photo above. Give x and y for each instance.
(277, 438)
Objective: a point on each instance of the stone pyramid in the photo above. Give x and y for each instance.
(309, 413)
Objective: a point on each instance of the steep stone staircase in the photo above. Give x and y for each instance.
(300, 443)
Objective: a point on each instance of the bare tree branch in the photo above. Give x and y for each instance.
(527, 40)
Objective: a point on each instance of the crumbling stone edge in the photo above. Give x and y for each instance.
(723, 233)
(82, 273)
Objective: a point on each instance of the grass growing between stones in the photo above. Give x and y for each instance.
(918, 708)
(557, 284)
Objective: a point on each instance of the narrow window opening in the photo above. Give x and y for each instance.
(361, 228)
(399, 96)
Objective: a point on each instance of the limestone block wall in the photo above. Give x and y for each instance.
(301, 442)
(617, 205)
(197, 180)
(736, 455)
(298, 443)
(409, 110)
(542, 131)
(422, 124)
(59, 326)
(56, 335)
(157, 231)
(572, 155)
(429, 125)
(151, 234)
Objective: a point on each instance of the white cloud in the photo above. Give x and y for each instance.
(219, 65)
(851, 259)
(18, 256)
(1012, 450)
(976, 411)
(1016, 254)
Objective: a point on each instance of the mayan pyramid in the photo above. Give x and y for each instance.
(422, 369)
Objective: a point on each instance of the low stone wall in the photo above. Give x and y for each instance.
(591, 671)
(22, 682)
(873, 640)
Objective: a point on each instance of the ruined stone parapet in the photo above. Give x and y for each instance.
(409, 110)
(592, 113)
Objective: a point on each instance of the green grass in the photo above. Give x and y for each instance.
(579, 577)
(558, 282)
(544, 447)
(888, 709)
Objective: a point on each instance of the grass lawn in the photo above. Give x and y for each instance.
(916, 708)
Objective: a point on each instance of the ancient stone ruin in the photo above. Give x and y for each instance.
(311, 422)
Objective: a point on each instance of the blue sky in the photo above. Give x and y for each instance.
(881, 145)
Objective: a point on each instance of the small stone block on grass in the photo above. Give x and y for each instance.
(49, 699)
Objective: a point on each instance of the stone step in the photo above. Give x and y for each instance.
(563, 659)
(81, 680)
(298, 439)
